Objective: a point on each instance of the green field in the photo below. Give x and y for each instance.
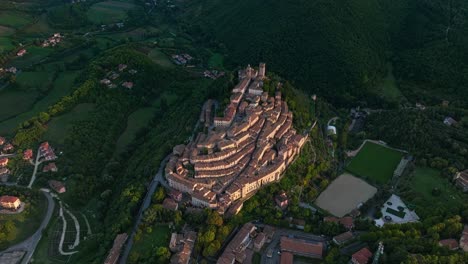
(14, 102)
(6, 31)
(34, 55)
(149, 242)
(136, 121)
(14, 19)
(58, 126)
(6, 45)
(28, 221)
(62, 86)
(160, 58)
(109, 12)
(388, 87)
(424, 180)
(33, 79)
(216, 61)
(375, 162)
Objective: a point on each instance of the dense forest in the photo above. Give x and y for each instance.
(341, 49)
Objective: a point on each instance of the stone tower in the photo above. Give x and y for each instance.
(261, 70)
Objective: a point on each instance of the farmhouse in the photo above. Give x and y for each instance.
(28, 154)
(50, 167)
(57, 186)
(10, 202)
(21, 52)
(461, 180)
(128, 85)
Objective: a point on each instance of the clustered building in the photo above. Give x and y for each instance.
(249, 146)
(182, 246)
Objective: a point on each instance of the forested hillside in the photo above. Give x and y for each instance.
(339, 48)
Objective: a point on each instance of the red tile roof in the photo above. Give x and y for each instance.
(8, 199)
(451, 243)
(301, 247)
(362, 256)
(286, 258)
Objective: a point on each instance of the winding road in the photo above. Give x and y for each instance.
(157, 179)
(29, 245)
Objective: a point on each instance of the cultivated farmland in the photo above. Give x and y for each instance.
(375, 163)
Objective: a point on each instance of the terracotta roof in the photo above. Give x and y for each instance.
(286, 258)
(301, 247)
(8, 199)
(114, 253)
(341, 238)
(362, 256)
(451, 243)
(347, 222)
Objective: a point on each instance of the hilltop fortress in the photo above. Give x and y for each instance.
(249, 146)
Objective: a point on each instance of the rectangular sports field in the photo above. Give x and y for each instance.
(375, 162)
(344, 194)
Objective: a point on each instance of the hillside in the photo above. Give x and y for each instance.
(339, 48)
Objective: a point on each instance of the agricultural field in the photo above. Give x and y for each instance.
(375, 162)
(62, 86)
(159, 237)
(109, 12)
(136, 121)
(34, 55)
(14, 19)
(6, 31)
(36, 80)
(216, 61)
(424, 181)
(28, 221)
(58, 126)
(5, 44)
(160, 58)
(14, 102)
(344, 194)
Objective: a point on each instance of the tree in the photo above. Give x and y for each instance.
(159, 195)
(163, 254)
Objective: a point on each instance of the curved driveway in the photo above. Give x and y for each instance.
(30, 244)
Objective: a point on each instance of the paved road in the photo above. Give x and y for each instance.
(30, 244)
(157, 179)
(36, 166)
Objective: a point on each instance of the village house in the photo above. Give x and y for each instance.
(361, 257)
(50, 167)
(461, 180)
(282, 200)
(2, 141)
(451, 244)
(464, 239)
(10, 202)
(449, 121)
(57, 186)
(128, 85)
(176, 195)
(259, 241)
(170, 204)
(28, 154)
(3, 162)
(8, 147)
(182, 246)
(116, 249)
(21, 53)
(46, 151)
(342, 238)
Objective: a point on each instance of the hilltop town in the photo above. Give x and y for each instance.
(249, 146)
